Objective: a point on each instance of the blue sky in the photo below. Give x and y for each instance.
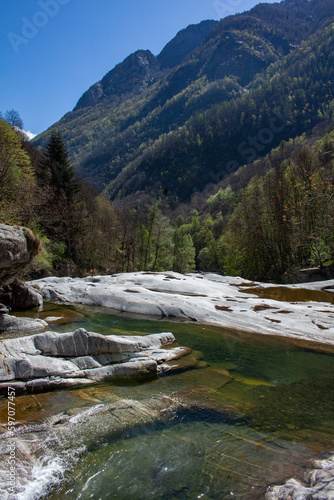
(53, 50)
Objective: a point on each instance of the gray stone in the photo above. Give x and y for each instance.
(319, 484)
(13, 324)
(49, 361)
(82, 343)
(20, 297)
(18, 246)
(224, 301)
(313, 274)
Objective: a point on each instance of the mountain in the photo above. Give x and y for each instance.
(184, 43)
(170, 124)
(289, 99)
(141, 69)
(132, 76)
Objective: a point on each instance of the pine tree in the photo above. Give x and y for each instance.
(57, 177)
(56, 167)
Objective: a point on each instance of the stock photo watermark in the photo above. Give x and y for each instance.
(11, 419)
(226, 8)
(32, 26)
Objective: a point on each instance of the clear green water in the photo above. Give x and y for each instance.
(257, 409)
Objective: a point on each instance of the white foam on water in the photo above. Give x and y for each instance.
(43, 476)
(46, 474)
(82, 416)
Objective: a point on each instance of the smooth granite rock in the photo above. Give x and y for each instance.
(319, 484)
(13, 324)
(50, 361)
(306, 313)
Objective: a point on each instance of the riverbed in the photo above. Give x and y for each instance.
(244, 412)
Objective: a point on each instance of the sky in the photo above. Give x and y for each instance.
(52, 51)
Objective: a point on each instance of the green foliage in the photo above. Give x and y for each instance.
(57, 169)
(44, 263)
(253, 83)
(184, 252)
(224, 201)
(285, 219)
(17, 180)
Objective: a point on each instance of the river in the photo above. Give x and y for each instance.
(253, 411)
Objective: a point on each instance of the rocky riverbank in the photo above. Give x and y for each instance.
(303, 312)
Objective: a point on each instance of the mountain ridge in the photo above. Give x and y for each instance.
(144, 69)
(113, 126)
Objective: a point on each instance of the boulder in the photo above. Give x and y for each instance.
(50, 361)
(20, 297)
(18, 246)
(313, 274)
(12, 324)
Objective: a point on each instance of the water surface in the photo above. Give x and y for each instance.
(256, 409)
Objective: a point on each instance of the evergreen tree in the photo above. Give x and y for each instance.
(57, 169)
(57, 176)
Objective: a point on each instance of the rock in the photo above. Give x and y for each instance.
(69, 434)
(18, 246)
(12, 324)
(313, 274)
(20, 297)
(319, 484)
(224, 301)
(50, 361)
(4, 309)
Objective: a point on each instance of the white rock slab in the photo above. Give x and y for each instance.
(204, 298)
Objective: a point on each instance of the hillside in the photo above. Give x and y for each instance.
(280, 105)
(175, 128)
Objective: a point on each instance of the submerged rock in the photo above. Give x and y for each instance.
(49, 361)
(53, 445)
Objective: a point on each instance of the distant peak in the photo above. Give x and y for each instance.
(137, 72)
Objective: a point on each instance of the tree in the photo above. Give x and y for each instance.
(56, 174)
(17, 181)
(13, 118)
(57, 169)
(184, 252)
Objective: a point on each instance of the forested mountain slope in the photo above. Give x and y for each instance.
(171, 126)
